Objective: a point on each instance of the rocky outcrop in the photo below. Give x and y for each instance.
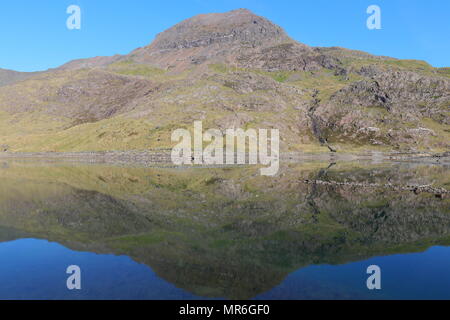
(237, 27)
(387, 88)
(287, 57)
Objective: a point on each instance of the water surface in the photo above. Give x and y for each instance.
(225, 233)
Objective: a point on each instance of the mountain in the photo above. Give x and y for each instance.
(232, 69)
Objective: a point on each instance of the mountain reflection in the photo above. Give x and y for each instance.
(225, 232)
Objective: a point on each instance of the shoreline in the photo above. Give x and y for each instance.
(164, 157)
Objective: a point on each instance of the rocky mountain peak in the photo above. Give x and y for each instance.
(237, 26)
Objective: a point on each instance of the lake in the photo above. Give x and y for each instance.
(223, 233)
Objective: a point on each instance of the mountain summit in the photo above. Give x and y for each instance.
(238, 38)
(240, 27)
(232, 69)
(216, 37)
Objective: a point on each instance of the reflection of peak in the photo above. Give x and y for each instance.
(236, 245)
(239, 26)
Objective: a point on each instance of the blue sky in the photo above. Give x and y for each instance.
(34, 35)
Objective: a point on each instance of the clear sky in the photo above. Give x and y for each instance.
(34, 35)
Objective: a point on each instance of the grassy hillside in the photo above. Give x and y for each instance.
(40, 115)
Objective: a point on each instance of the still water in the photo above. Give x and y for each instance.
(224, 233)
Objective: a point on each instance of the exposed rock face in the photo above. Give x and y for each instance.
(287, 57)
(211, 37)
(393, 87)
(239, 27)
(238, 37)
(365, 93)
(405, 95)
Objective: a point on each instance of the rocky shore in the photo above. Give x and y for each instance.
(163, 156)
(137, 157)
(438, 192)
